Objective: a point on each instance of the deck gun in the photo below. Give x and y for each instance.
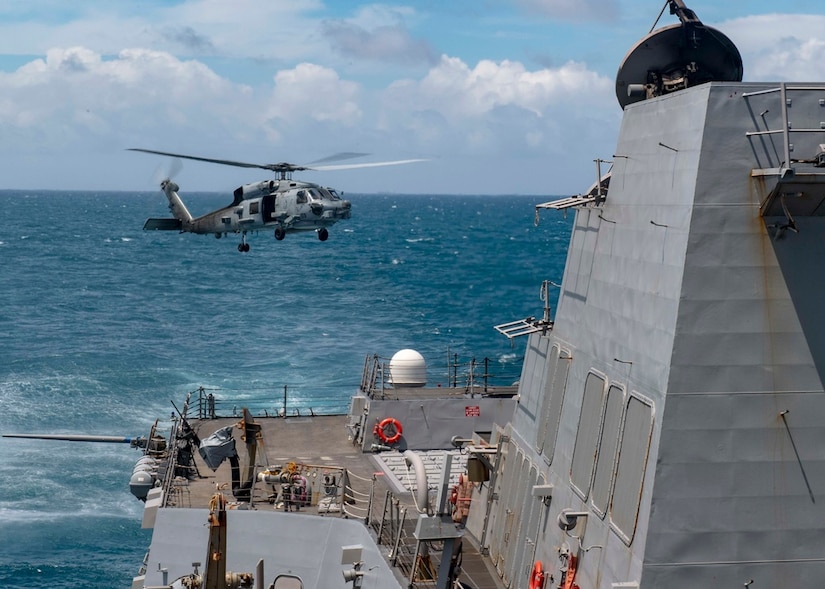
(145, 474)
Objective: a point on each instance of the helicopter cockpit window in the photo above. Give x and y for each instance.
(302, 197)
(314, 194)
(328, 194)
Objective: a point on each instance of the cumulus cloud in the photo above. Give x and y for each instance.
(189, 39)
(379, 32)
(75, 92)
(459, 91)
(314, 92)
(391, 43)
(779, 47)
(501, 107)
(77, 101)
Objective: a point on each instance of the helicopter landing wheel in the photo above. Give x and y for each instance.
(243, 247)
(323, 234)
(280, 233)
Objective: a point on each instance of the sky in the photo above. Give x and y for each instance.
(498, 96)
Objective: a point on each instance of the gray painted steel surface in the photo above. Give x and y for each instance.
(694, 293)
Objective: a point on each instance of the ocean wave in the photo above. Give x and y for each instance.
(14, 515)
(100, 339)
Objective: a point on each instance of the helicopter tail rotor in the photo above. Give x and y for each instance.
(176, 206)
(168, 170)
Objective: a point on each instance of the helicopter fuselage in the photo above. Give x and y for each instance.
(279, 205)
(283, 204)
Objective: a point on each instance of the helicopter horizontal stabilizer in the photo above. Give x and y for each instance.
(162, 224)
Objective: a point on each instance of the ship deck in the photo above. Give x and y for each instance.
(320, 442)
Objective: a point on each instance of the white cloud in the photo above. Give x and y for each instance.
(379, 33)
(75, 100)
(313, 92)
(779, 47)
(460, 91)
(498, 107)
(75, 94)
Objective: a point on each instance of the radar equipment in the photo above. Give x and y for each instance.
(676, 57)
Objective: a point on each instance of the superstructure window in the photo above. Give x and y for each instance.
(534, 364)
(552, 364)
(606, 460)
(552, 414)
(587, 436)
(630, 471)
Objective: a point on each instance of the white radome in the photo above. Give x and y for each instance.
(408, 369)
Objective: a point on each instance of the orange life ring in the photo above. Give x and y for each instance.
(536, 576)
(381, 430)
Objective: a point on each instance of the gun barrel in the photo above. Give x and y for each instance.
(75, 438)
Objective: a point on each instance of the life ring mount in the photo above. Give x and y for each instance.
(389, 430)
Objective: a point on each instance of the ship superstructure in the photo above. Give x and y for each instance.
(669, 429)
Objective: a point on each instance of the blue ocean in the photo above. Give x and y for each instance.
(103, 326)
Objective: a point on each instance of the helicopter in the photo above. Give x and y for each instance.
(283, 205)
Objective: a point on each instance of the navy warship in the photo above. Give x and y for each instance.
(666, 430)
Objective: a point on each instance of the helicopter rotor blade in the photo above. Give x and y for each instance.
(286, 166)
(207, 159)
(366, 165)
(337, 157)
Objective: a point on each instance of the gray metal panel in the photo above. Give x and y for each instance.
(304, 546)
(525, 537)
(734, 484)
(587, 437)
(429, 424)
(533, 376)
(555, 406)
(515, 542)
(543, 416)
(608, 446)
(506, 484)
(630, 470)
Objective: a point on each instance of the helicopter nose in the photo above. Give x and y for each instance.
(345, 211)
(338, 210)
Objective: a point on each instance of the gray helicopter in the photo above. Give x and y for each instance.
(283, 205)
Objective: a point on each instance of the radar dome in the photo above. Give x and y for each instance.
(408, 369)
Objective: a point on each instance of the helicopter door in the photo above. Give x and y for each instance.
(268, 208)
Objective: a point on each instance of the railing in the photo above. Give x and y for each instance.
(782, 99)
(472, 376)
(290, 401)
